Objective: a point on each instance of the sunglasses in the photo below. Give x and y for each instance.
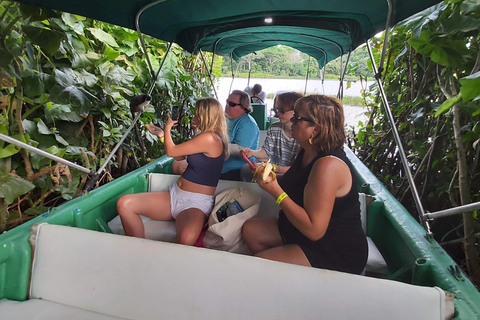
(232, 104)
(295, 119)
(280, 111)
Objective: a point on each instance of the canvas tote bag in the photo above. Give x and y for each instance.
(226, 235)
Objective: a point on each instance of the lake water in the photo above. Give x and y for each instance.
(353, 114)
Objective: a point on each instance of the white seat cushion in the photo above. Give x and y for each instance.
(142, 279)
(37, 309)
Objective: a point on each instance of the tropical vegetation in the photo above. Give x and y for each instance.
(432, 82)
(286, 62)
(66, 84)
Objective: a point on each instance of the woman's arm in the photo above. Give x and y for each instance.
(329, 178)
(259, 154)
(203, 143)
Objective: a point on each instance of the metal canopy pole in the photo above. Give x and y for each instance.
(342, 76)
(91, 183)
(452, 211)
(42, 153)
(396, 136)
(209, 75)
(306, 79)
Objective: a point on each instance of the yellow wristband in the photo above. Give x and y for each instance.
(274, 168)
(162, 139)
(280, 198)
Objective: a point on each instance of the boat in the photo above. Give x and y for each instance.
(69, 262)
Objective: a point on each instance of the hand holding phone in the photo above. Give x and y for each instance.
(175, 112)
(250, 164)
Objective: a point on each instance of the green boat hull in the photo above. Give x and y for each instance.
(410, 256)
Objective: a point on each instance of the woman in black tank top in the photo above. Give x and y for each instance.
(319, 221)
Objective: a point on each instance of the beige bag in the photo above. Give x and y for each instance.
(227, 234)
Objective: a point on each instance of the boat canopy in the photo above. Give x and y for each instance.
(321, 29)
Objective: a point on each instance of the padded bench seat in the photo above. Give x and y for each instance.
(166, 231)
(83, 274)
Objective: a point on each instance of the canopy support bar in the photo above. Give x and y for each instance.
(452, 211)
(306, 78)
(137, 26)
(209, 74)
(385, 38)
(42, 153)
(398, 141)
(343, 71)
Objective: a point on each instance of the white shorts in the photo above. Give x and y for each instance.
(181, 200)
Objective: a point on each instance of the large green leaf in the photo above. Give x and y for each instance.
(447, 105)
(120, 75)
(68, 91)
(55, 111)
(442, 50)
(86, 78)
(12, 187)
(103, 37)
(84, 59)
(47, 39)
(71, 21)
(470, 87)
(35, 83)
(8, 151)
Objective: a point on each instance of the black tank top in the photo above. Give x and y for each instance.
(344, 241)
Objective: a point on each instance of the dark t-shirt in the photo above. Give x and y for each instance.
(344, 245)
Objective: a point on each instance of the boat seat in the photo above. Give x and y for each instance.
(83, 274)
(166, 231)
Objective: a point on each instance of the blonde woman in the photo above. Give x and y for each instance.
(190, 199)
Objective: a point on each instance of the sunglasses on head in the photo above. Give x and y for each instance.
(295, 119)
(232, 104)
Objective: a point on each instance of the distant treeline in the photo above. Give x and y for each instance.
(283, 61)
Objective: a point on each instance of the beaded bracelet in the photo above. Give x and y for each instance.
(280, 198)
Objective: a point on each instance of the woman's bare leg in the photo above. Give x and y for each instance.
(189, 224)
(261, 234)
(288, 253)
(154, 205)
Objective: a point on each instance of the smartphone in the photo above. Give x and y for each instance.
(175, 111)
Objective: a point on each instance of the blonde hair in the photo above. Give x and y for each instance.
(211, 118)
(328, 115)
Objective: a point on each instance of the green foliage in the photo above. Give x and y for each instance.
(432, 64)
(66, 82)
(285, 62)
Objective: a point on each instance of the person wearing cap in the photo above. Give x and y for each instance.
(243, 132)
(256, 94)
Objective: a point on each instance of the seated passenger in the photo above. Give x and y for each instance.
(319, 222)
(190, 199)
(256, 94)
(243, 133)
(279, 146)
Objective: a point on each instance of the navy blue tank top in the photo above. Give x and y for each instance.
(204, 170)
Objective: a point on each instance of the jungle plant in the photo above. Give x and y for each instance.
(432, 82)
(66, 84)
